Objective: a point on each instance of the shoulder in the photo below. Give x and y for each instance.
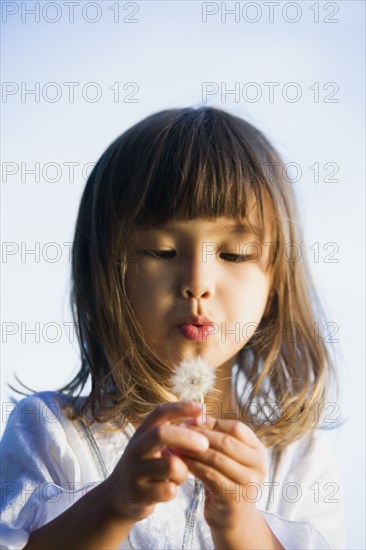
(36, 412)
(39, 438)
(312, 455)
(322, 437)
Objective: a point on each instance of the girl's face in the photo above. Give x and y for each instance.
(203, 267)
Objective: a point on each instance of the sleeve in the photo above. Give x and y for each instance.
(39, 469)
(306, 500)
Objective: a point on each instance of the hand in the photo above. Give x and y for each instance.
(232, 471)
(148, 472)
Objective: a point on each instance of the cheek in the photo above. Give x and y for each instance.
(130, 281)
(248, 292)
(145, 288)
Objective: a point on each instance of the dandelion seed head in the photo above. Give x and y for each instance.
(192, 379)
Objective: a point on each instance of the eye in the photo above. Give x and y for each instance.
(161, 254)
(235, 258)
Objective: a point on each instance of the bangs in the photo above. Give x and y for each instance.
(193, 163)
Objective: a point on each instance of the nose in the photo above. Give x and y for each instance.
(197, 279)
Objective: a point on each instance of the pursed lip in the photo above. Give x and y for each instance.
(197, 320)
(197, 328)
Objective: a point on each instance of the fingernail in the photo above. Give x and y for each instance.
(202, 442)
(198, 406)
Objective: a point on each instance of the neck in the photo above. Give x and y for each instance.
(221, 402)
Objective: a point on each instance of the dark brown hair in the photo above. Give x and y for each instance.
(193, 162)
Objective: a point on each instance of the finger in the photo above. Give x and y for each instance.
(169, 468)
(222, 487)
(155, 491)
(206, 473)
(166, 412)
(233, 458)
(230, 446)
(162, 491)
(167, 435)
(237, 429)
(223, 467)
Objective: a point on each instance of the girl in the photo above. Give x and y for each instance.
(186, 246)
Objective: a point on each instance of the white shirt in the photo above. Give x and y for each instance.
(49, 462)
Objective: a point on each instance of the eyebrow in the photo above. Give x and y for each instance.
(237, 229)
